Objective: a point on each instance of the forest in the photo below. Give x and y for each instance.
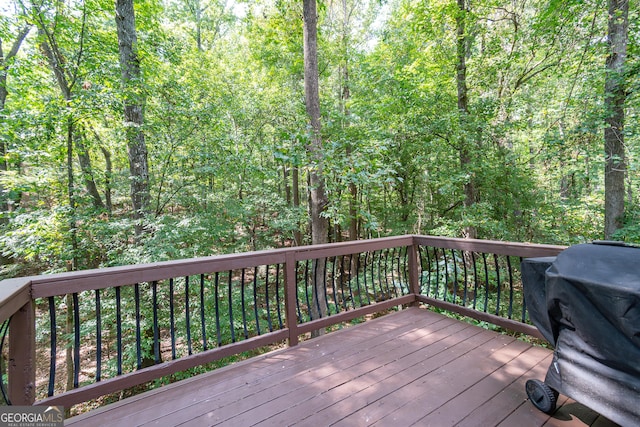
(150, 130)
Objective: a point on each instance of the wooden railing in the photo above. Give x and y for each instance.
(111, 329)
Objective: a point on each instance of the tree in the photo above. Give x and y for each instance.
(462, 48)
(318, 197)
(67, 78)
(5, 61)
(134, 100)
(614, 100)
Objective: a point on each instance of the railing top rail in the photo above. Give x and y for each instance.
(16, 292)
(78, 281)
(524, 250)
(349, 247)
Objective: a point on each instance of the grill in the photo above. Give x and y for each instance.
(586, 303)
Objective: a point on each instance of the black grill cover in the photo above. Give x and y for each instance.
(587, 305)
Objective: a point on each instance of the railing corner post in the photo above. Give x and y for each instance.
(414, 273)
(290, 281)
(22, 356)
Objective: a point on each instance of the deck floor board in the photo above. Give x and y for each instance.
(413, 367)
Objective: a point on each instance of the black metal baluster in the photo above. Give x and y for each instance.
(455, 276)
(172, 320)
(230, 297)
(203, 327)
(217, 295)
(266, 297)
(383, 295)
(278, 295)
(4, 329)
(54, 345)
(298, 294)
(342, 278)
(364, 277)
(353, 300)
(138, 334)
(76, 343)
(429, 272)
(386, 273)
(119, 330)
(306, 291)
(373, 278)
(466, 279)
(187, 314)
(486, 284)
(499, 283)
(244, 313)
(255, 299)
(98, 337)
(358, 289)
(394, 284)
(510, 271)
(400, 282)
(446, 274)
(324, 286)
(333, 284)
(435, 257)
(398, 270)
(405, 258)
(314, 287)
(421, 271)
(156, 327)
(475, 280)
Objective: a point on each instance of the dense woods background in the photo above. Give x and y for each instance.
(185, 132)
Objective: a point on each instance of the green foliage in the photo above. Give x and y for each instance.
(225, 125)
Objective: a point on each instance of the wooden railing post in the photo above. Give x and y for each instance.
(414, 270)
(22, 356)
(290, 281)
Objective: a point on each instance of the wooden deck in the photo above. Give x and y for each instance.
(414, 367)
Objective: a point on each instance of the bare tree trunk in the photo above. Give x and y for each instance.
(614, 98)
(470, 191)
(134, 100)
(318, 197)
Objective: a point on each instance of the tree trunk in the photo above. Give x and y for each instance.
(318, 198)
(314, 147)
(614, 99)
(108, 173)
(87, 171)
(470, 192)
(134, 100)
(345, 95)
(4, 92)
(295, 184)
